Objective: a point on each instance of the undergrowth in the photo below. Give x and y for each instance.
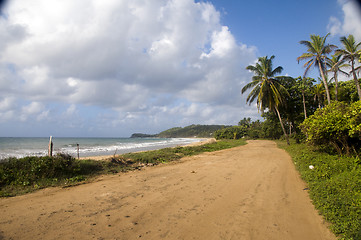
(334, 185)
(19, 176)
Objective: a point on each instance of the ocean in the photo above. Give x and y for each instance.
(21, 147)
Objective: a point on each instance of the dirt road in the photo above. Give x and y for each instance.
(249, 192)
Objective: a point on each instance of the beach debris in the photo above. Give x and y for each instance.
(311, 167)
(193, 171)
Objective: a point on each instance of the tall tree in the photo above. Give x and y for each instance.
(319, 92)
(335, 63)
(351, 54)
(302, 86)
(266, 87)
(317, 51)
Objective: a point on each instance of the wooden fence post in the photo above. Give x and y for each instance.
(50, 150)
(77, 146)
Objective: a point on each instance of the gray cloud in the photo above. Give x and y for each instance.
(164, 62)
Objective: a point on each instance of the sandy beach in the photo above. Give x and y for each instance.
(105, 157)
(247, 192)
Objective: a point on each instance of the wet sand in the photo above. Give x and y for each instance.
(247, 192)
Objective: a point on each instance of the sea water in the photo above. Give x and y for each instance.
(21, 147)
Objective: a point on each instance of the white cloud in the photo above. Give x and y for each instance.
(33, 110)
(334, 26)
(351, 21)
(143, 59)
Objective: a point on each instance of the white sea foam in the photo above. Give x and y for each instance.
(21, 147)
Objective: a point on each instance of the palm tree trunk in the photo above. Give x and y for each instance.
(304, 103)
(356, 80)
(283, 128)
(336, 86)
(324, 83)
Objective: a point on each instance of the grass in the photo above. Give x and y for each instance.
(24, 175)
(334, 186)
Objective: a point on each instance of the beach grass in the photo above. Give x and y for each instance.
(334, 185)
(24, 175)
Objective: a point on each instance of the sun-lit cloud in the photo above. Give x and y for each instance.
(159, 63)
(351, 22)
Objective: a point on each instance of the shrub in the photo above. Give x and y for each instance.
(29, 170)
(235, 132)
(337, 127)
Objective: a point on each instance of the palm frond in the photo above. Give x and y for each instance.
(277, 70)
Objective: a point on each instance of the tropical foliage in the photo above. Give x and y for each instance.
(351, 53)
(337, 127)
(325, 117)
(234, 132)
(334, 64)
(316, 55)
(267, 89)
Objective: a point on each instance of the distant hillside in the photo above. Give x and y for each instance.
(191, 131)
(142, 135)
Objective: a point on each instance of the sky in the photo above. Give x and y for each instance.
(110, 68)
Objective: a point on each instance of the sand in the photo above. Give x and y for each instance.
(108, 157)
(248, 192)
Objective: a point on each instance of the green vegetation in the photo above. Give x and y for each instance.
(350, 53)
(325, 118)
(267, 88)
(199, 131)
(142, 135)
(337, 126)
(18, 176)
(334, 185)
(172, 154)
(234, 132)
(326, 123)
(316, 55)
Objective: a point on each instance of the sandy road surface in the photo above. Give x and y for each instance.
(249, 192)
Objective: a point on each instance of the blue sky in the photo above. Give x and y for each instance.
(276, 27)
(111, 68)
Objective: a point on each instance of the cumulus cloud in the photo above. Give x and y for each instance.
(155, 61)
(350, 24)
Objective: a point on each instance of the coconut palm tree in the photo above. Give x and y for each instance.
(266, 87)
(319, 93)
(301, 82)
(335, 63)
(351, 54)
(316, 55)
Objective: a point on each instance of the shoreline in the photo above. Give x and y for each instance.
(247, 192)
(193, 144)
(88, 147)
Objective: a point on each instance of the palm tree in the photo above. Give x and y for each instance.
(319, 94)
(350, 54)
(316, 55)
(302, 86)
(335, 63)
(266, 87)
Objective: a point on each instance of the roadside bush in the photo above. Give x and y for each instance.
(29, 170)
(335, 127)
(235, 132)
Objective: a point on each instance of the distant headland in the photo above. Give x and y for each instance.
(200, 131)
